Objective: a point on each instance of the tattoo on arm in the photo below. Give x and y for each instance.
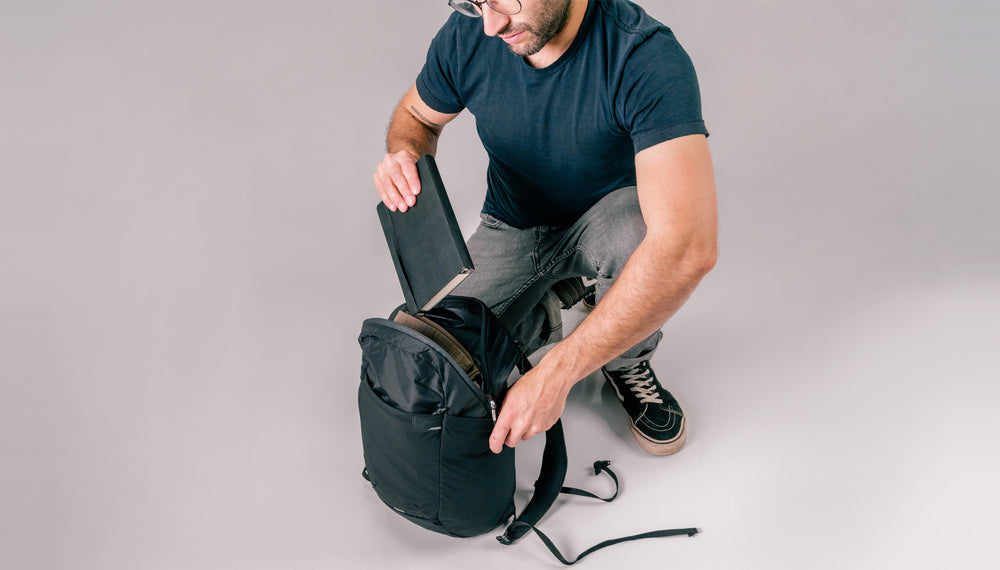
(420, 117)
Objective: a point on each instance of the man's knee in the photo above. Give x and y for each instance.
(617, 229)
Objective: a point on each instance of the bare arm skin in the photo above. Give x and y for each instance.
(676, 188)
(413, 132)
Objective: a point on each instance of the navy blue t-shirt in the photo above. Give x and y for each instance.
(562, 137)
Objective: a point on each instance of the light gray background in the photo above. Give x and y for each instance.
(189, 246)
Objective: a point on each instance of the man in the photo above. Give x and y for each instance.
(599, 167)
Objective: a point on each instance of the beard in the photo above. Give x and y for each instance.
(547, 24)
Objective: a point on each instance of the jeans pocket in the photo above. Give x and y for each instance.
(492, 223)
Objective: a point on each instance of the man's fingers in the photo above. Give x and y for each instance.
(386, 189)
(513, 439)
(403, 188)
(497, 439)
(511, 436)
(380, 187)
(397, 181)
(412, 176)
(501, 433)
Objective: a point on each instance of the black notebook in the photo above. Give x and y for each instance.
(427, 248)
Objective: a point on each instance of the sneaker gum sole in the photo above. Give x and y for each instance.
(660, 448)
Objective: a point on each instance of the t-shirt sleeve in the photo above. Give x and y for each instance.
(437, 82)
(659, 97)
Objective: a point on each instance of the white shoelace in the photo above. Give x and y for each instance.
(642, 386)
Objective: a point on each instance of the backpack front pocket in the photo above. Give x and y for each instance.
(401, 455)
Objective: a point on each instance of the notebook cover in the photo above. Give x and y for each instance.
(425, 242)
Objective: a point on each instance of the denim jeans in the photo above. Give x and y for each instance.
(516, 268)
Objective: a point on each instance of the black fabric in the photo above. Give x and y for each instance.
(434, 381)
(425, 425)
(547, 487)
(436, 470)
(472, 323)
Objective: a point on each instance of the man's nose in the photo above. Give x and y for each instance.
(493, 21)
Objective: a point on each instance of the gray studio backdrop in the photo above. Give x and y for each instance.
(189, 245)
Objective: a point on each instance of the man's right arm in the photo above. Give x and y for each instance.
(413, 132)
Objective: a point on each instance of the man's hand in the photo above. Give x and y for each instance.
(397, 181)
(532, 405)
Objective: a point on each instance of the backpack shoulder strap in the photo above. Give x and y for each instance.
(444, 339)
(547, 487)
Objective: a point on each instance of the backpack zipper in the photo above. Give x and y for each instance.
(493, 406)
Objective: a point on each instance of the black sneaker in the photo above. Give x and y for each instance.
(656, 417)
(572, 290)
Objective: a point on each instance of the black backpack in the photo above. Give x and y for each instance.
(430, 389)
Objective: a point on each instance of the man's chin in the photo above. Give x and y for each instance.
(525, 49)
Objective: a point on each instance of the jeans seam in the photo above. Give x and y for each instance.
(502, 308)
(534, 253)
(566, 254)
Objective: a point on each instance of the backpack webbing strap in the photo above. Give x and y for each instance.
(555, 551)
(444, 339)
(552, 475)
(599, 466)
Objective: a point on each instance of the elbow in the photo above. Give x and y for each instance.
(710, 256)
(702, 261)
(703, 250)
(693, 256)
(697, 260)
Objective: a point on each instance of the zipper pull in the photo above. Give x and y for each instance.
(493, 407)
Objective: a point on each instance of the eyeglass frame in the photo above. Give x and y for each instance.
(479, 7)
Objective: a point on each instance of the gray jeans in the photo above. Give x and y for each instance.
(515, 269)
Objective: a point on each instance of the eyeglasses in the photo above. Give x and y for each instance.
(474, 9)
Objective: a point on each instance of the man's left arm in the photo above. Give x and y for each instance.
(676, 189)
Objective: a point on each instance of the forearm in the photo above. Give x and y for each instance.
(407, 131)
(676, 190)
(655, 283)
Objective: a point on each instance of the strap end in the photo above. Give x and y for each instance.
(516, 530)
